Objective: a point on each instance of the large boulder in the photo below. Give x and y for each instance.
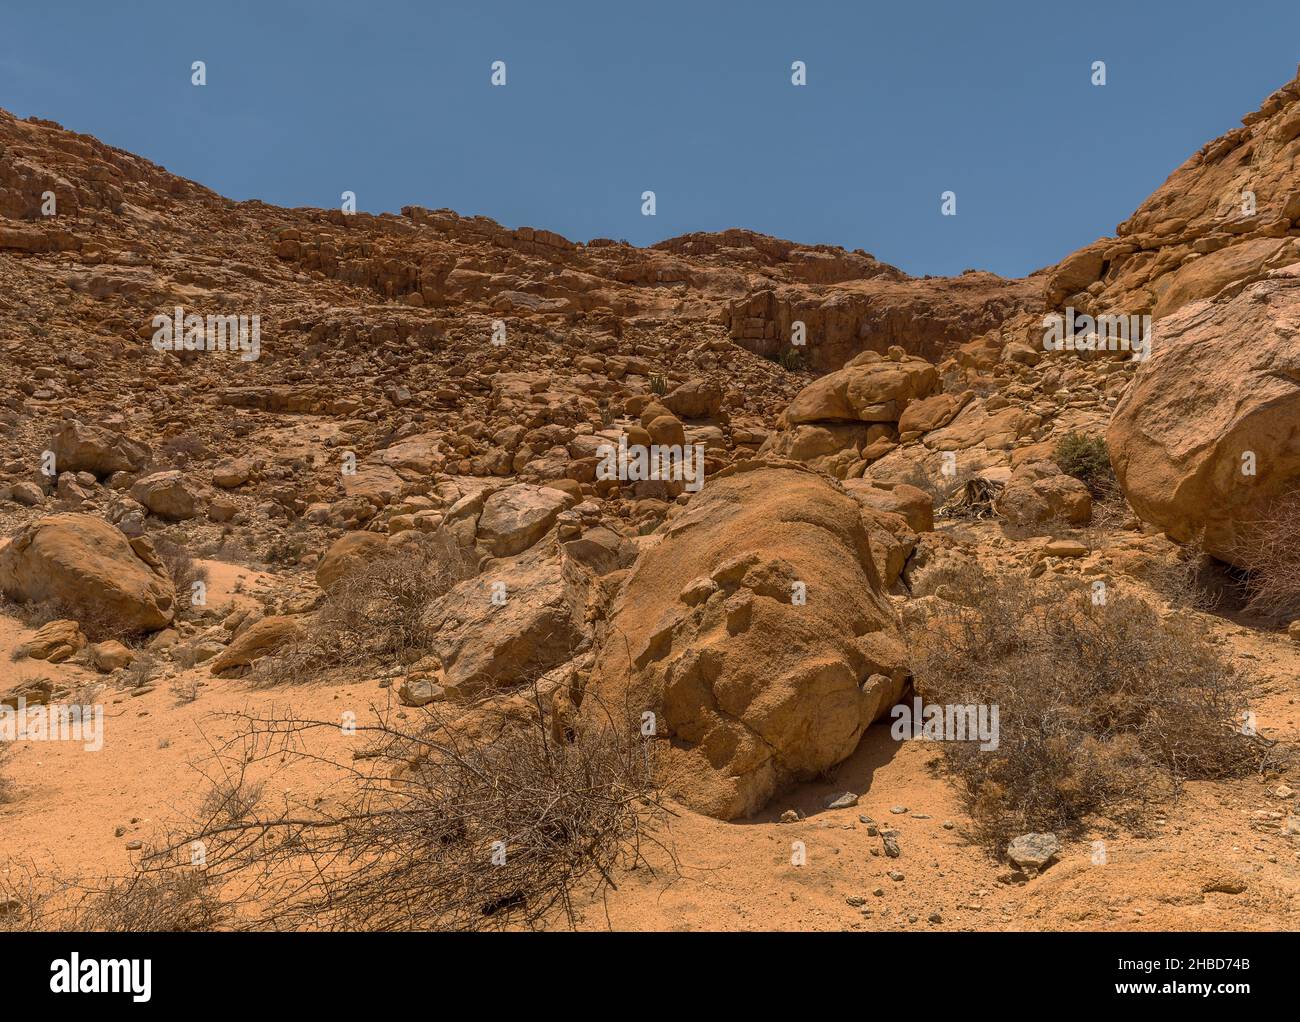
(515, 518)
(870, 388)
(166, 494)
(1038, 493)
(349, 554)
(81, 448)
(263, 638)
(55, 641)
(755, 630)
(508, 626)
(88, 566)
(1218, 398)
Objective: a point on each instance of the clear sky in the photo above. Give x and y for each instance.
(392, 99)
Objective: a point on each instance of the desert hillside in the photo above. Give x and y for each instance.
(492, 578)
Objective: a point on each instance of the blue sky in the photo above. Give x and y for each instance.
(693, 100)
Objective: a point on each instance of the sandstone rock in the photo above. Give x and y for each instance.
(912, 503)
(110, 655)
(263, 638)
(347, 554)
(535, 624)
(515, 518)
(870, 388)
(754, 689)
(55, 641)
(231, 473)
(1033, 851)
(87, 565)
(78, 447)
(1039, 492)
(694, 399)
(166, 494)
(27, 493)
(1205, 406)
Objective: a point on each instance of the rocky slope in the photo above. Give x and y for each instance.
(430, 377)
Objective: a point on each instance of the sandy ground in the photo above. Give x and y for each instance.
(77, 811)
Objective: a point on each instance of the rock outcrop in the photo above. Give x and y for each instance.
(83, 563)
(755, 630)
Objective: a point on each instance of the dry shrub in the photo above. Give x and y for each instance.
(179, 900)
(1270, 553)
(1101, 709)
(186, 690)
(181, 567)
(96, 624)
(1184, 581)
(8, 790)
(142, 670)
(467, 819)
(376, 611)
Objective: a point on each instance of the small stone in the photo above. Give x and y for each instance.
(879, 892)
(948, 825)
(898, 810)
(1033, 851)
(890, 840)
(789, 816)
(895, 876)
(846, 800)
(935, 917)
(855, 900)
(132, 846)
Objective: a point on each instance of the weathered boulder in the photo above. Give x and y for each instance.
(347, 554)
(694, 399)
(55, 641)
(511, 624)
(913, 503)
(756, 632)
(515, 518)
(1208, 434)
(85, 564)
(870, 388)
(269, 635)
(1039, 492)
(81, 448)
(166, 494)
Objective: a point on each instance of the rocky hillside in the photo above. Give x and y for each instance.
(423, 471)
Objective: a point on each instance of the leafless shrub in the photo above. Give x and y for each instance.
(467, 819)
(1181, 581)
(142, 670)
(179, 900)
(1270, 553)
(186, 690)
(376, 611)
(181, 567)
(1101, 709)
(8, 790)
